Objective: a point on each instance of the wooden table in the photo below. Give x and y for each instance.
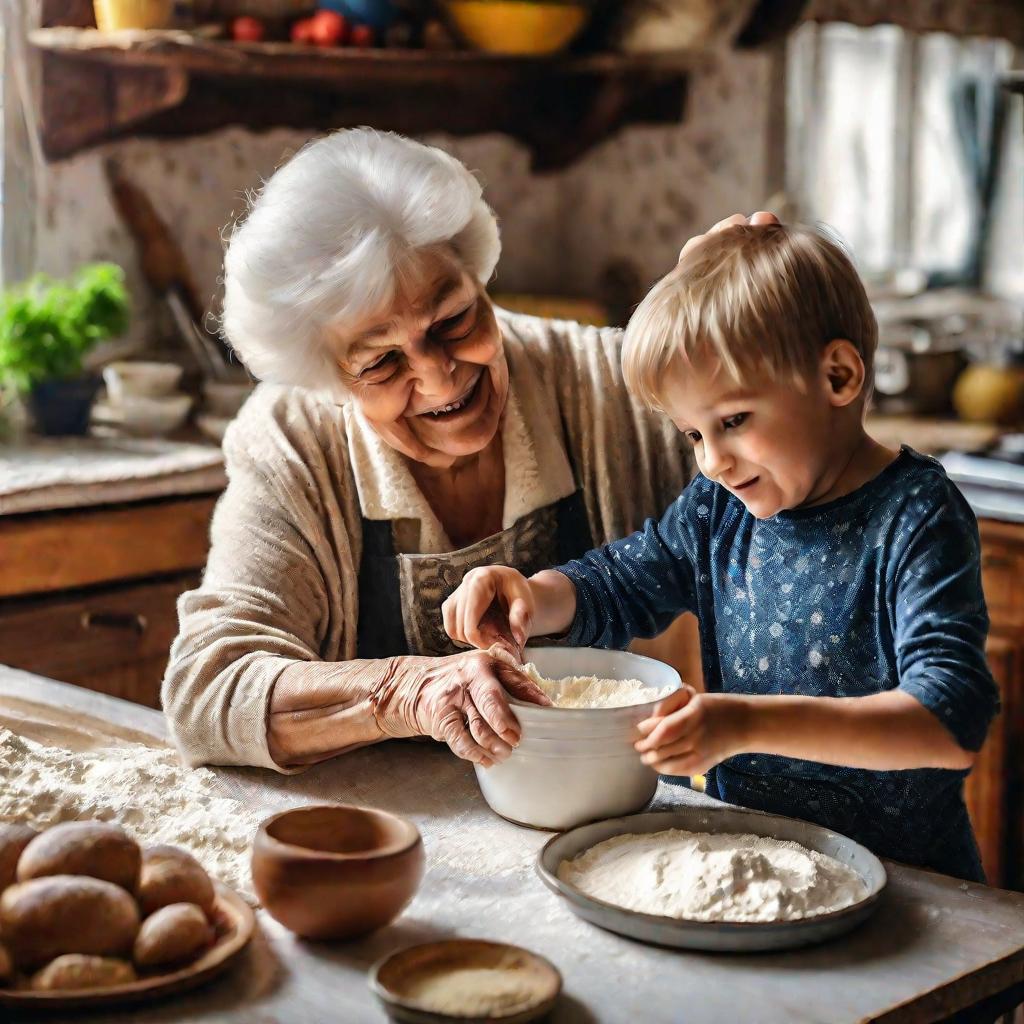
(934, 946)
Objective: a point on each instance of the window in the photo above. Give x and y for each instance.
(874, 150)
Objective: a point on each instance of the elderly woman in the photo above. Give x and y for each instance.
(407, 432)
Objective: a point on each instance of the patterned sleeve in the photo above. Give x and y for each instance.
(941, 622)
(635, 587)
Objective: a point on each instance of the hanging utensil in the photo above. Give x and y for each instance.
(201, 344)
(165, 269)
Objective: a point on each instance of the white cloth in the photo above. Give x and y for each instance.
(41, 474)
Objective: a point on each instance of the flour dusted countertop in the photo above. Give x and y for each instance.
(935, 945)
(40, 474)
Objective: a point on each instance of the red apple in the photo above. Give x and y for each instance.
(302, 31)
(246, 29)
(329, 28)
(361, 36)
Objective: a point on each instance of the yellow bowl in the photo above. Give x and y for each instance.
(517, 26)
(114, 15)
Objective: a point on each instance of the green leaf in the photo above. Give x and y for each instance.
(47, 326)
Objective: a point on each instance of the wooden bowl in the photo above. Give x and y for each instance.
(333, 871)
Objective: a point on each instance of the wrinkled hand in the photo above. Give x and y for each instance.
(460, 700)
(691, 732)
(755, 219)
(469, 614)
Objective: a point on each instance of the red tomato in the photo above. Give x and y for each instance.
(302, 31)
(361, 36)
(329, 28)
(248, 30)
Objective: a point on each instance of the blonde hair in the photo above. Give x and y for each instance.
(760, 300)
(332, 234)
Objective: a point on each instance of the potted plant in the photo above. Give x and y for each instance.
(47, 328)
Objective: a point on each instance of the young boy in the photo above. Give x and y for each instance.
(836, 582)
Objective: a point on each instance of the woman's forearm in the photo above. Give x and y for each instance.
(881, 732)
(321, 709)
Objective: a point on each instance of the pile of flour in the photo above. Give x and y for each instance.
(713, 877)
(146, 790)
(594, 692)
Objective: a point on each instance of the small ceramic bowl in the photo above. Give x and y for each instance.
(333, 871)
(138, 414)
(225, 397)
(148, 380)
(214, 427)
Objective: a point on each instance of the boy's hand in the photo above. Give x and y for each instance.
(465, 612)
(755, 219)
(691, 732)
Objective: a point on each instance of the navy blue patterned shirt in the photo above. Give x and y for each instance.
(878, 589)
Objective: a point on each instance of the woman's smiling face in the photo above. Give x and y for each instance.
(429, 373)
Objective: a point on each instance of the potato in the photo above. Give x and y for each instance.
(170, 875)
(14, 837)
(172, 934)
(75, 971)
(96, 848)
(6, 966)
(47, 917)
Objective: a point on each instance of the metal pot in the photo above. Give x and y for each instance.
(915, 370)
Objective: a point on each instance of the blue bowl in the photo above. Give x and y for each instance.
(377, 13)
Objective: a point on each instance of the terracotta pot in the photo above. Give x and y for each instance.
(332, 871)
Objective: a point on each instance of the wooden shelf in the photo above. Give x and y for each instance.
(97, 87)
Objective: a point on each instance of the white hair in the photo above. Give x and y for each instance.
(330, 234)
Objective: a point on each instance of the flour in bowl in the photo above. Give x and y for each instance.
(593, 692)
(703, 876)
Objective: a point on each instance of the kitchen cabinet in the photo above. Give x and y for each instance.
(995, 788)
(89, 595)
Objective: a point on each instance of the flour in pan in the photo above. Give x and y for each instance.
(713, 877)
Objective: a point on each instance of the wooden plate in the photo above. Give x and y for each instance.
(234, 923)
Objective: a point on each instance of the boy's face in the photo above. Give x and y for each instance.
(768, 443)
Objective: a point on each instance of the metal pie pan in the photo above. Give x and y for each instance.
(714, 936)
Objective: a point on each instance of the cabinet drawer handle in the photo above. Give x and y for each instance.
(114, 620)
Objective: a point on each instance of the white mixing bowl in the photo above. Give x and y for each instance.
(575, 765)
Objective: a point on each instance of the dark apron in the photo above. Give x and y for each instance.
(400, 595)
